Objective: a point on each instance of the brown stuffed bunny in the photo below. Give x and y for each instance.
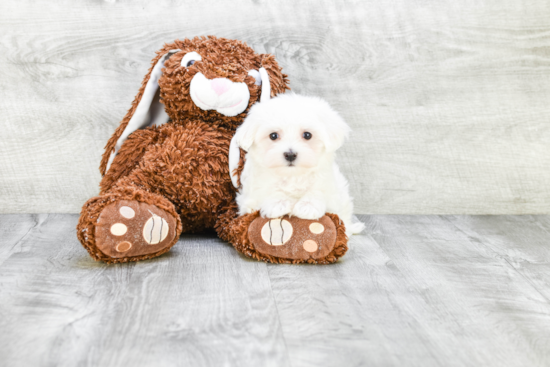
(165, 169)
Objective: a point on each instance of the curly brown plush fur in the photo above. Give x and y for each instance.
(181, 166)
(222, 58)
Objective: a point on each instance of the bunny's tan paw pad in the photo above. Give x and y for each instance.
(129, 228)
(293, 238)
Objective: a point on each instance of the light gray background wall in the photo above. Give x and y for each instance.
(449, 100)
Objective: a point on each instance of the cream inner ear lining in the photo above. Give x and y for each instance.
(149, 110)
(234, 151)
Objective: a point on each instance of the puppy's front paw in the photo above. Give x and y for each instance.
(276, 209)
(246, 210)
(308, 210)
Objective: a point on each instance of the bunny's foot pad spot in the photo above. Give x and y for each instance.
(293, 238)
(131, 228)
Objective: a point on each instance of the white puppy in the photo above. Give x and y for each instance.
(291, 142)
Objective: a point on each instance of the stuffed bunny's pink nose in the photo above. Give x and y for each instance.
(220, 85)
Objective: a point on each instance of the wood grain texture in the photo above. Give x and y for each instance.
(14, 229)
(199, 305)
(412, 291)
(448, 100)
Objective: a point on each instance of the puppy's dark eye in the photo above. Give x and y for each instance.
(191, 62)
(307, 135)
(273, 136)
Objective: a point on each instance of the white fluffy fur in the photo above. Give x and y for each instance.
(310, 185)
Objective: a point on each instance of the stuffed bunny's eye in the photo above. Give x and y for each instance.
(256, 75)
(190, 58)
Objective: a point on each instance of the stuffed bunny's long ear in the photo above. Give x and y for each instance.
(149, 112)
(243, 139)
(273, 82)
(266, 85)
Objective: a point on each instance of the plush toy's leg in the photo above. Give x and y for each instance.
(286, 239)
(129, 224)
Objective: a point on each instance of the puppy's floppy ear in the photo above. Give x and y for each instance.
(335, 130)
(243, 139)
(146, 109)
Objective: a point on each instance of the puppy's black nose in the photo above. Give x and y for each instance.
(290, 156)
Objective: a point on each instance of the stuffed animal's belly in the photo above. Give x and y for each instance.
(189, 166)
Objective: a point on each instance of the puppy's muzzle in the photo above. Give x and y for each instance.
(290, 156)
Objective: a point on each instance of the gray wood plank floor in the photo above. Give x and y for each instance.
(412, 291)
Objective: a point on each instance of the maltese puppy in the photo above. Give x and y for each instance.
(291, 142)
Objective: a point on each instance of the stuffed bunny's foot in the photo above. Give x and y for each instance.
(289, 239)
(129, 229)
